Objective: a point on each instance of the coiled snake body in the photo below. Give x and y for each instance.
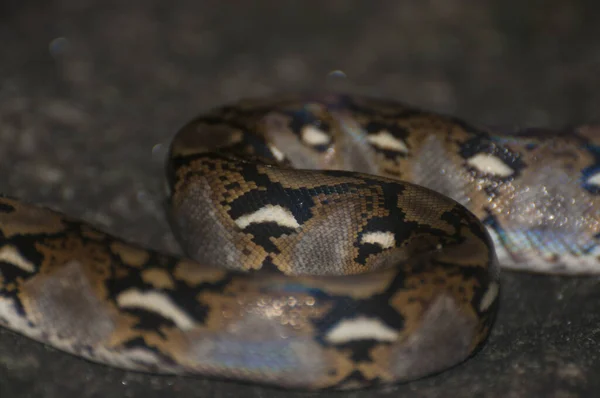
(334, 273)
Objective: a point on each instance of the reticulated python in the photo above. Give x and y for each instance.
(342, 277)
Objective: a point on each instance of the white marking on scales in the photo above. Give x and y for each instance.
(490, 164)
(158, 303)
(269, 213)
(489, 296)
(276, 152)
(385, 140)
(314, 136)
(594, 180)
(383, 239)
(10, 255)
(361, 328)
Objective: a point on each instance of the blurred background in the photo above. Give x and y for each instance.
(92, 91)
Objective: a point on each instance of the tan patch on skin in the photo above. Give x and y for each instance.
(343, 366)
(122, 272)
(92, 233)
(94, 257)
(378, 368)
(223, 309)
(168, 340)
(391, 167)
(29, 220)
(158, 278)
(437, 124)
(202, 137)
(129, 254)
(125, 329)
(175, 344)
(472, 252)
(194, 274)
(10, 287)
(296, 179)
(422, 289)
(217, 174)
(420, 207)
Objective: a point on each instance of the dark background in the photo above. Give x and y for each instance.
(92, 91)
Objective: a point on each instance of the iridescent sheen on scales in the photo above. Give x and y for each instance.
(333, 242)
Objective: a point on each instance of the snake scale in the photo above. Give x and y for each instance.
(333, 242)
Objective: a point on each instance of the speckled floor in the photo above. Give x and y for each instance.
(91, 92)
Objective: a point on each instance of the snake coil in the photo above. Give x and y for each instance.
(334, 242)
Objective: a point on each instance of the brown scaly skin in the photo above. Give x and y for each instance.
(329, 279)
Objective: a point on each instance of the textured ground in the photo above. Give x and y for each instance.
(91, 92)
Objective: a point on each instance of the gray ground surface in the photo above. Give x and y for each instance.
(91, 92)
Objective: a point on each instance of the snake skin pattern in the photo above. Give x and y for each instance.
(312, 263)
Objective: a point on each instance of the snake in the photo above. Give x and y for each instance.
(332, 241)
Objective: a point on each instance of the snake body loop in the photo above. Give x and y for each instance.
(334, 242)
